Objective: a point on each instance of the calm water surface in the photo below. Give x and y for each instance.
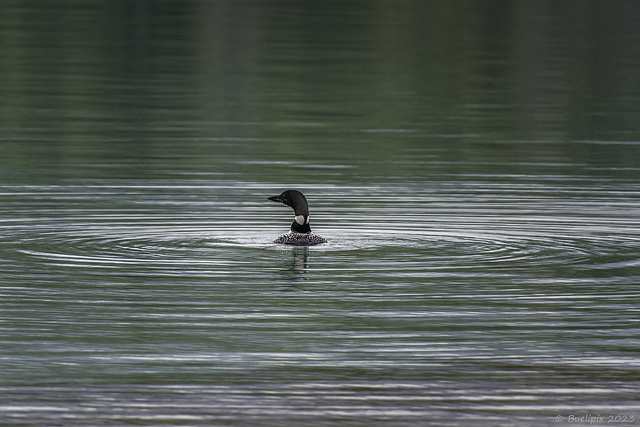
(475, 170)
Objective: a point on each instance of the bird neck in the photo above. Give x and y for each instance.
(301, 224)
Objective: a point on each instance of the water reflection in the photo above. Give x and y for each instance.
(297, 265)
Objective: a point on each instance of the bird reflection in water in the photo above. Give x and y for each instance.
(297, 266)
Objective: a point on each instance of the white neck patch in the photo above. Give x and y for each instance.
(300, 219)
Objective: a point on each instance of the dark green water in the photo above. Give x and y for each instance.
(474, 166)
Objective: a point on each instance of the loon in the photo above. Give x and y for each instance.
(300, 234)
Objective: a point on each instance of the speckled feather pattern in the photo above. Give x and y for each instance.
(300, 239)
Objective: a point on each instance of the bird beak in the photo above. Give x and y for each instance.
(276, 199)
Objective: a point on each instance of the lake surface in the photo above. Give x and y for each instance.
(475, 168)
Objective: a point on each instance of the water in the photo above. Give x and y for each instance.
(474, 169)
